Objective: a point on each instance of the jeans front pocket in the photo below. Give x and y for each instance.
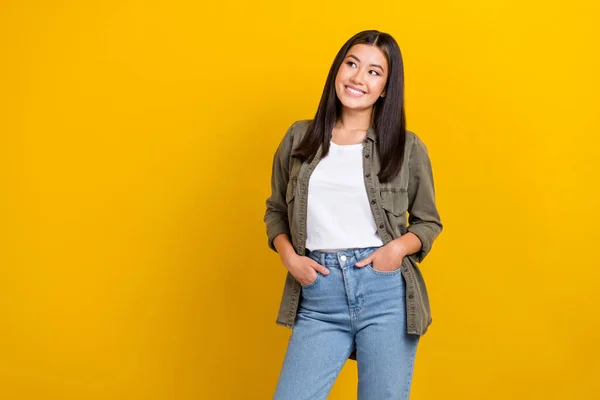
(311, 284)
(375, 271)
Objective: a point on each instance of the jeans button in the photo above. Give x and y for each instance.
(343, 258)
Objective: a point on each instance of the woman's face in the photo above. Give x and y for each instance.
(362, 77)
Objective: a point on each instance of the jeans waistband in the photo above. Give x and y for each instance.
(332, 257)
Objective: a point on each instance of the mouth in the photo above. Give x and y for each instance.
(353, 91)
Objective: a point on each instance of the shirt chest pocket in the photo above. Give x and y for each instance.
(395, 204)
(394, 201)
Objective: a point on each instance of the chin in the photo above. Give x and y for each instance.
(355, 105)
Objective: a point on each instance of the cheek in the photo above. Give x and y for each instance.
(378, 86)
(340, 77)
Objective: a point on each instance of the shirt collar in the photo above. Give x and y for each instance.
(371, 134)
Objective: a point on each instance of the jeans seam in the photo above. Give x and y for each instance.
(408, 382)
(338, 368)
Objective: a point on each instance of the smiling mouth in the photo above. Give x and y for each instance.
(353, 91)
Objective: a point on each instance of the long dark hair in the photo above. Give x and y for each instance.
(388, 118)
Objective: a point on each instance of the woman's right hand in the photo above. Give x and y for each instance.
(303, 268)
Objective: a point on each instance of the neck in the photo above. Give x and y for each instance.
(355, 120)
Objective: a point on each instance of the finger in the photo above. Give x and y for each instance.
(322, 269)
(364, 261)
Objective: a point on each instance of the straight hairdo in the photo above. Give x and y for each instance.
(388, 118)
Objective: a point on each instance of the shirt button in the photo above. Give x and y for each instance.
(366, 156)
(410, 296)
(381, 226)
(343, 258)
(373, 201)
(368, 175)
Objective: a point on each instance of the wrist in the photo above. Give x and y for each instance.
(287, 254)
(401, 246)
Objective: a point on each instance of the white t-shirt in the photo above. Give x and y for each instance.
(339, 215)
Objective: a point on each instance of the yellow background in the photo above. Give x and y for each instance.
(136, 147)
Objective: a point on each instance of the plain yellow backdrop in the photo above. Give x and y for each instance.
(136, 140)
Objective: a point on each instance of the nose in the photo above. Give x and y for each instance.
(357, 77)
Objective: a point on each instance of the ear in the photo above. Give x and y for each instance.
(382, 93)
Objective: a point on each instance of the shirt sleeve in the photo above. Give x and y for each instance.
(423, 219)
(276, 215)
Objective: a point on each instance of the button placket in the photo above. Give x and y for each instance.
(367, 166)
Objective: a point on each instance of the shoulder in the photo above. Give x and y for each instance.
(300, 127)
(414, 144)
(412, 139)
(296, 132)
(293, 136)
(302, 124)
(416, 152)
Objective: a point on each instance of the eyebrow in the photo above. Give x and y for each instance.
(372, 65)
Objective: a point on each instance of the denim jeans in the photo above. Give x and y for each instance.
(350, 308)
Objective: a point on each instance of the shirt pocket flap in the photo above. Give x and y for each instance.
(395, 202)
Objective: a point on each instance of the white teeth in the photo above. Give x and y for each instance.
(355, 91)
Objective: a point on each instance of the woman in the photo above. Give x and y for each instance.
(342, 184)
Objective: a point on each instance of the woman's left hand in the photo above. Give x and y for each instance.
(386, 258)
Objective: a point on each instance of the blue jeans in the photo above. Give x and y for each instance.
(351, 308)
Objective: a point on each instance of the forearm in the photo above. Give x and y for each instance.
(409, 243)
(284, 246)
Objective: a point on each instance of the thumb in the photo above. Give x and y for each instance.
(364, 261)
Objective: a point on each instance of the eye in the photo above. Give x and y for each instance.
(376, 73)
(350, 63)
